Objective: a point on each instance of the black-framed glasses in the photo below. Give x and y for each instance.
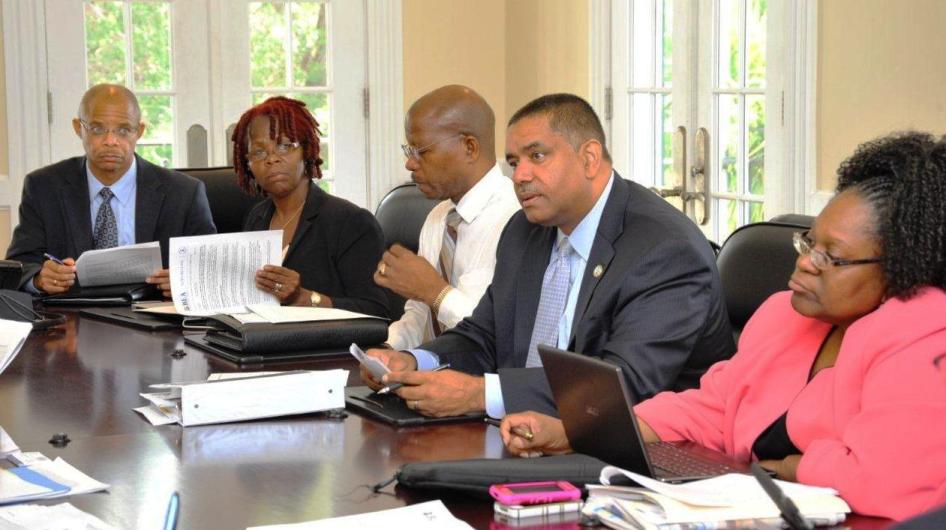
(822, 260)
(282, 149)
(101, 130)
(414, 152)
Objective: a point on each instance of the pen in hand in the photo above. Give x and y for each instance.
(394, 386)
(53, 258)
(519, 430)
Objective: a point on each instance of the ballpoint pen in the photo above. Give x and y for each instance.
(519, 430)
(392, 387)
(53, 258)
(174, 508)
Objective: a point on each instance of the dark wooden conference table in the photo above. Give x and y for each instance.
(83, 379)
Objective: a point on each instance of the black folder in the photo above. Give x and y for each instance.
(264, 338)
(126, 316)
(105, 295)
(390, 408)
(200, 341)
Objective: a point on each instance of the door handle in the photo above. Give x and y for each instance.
(697, 172)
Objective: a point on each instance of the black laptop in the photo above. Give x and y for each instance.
(595, 406)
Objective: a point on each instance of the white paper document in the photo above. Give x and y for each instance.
(113, 266)
(217, 273)
(277, 314)
(246, 398)
(12, 338)
(62, 516)
(725, 490)
(60, 471)
(431, 515)
(7, 445)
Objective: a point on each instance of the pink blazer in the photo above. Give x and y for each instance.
(873, 426)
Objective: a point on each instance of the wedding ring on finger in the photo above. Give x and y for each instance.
(381, 268)
(413, 404)
(277, 287)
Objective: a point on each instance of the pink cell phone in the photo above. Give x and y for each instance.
(525, 493)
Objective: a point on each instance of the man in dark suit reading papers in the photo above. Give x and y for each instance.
(594, 263)
(110, 197)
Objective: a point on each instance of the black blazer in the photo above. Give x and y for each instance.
(657, 311)
(55, 218)
(335, 250)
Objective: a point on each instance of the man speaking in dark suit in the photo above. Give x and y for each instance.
(109, 197)
(594, 263)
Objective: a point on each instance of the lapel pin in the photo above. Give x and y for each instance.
(599, 270)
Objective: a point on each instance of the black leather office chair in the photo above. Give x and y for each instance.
(754, 263)
(794, 219)
(228, 203)
(401, 214)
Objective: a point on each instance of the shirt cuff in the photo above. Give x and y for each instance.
(30, 287)
(495, 407)
(426, 360)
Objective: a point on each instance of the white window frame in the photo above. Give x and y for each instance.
(27, 85)
(791, 99)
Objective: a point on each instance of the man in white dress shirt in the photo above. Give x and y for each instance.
(451, 155)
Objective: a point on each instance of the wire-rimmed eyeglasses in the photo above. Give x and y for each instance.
(415, 152)
(822, 260)
(281, 149)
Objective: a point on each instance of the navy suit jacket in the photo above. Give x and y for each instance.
(55, 218)
(335, 250)
(657, 311)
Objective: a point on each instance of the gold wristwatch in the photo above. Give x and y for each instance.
(315, 299)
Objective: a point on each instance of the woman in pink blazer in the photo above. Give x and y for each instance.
(836, 382)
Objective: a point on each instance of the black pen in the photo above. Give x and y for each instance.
(518, 430)
(786, 507)
(53, 258)
(395, 386)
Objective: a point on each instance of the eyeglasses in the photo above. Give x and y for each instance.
(99, 130)
(282, 149)
(415, 152)
(822, 260)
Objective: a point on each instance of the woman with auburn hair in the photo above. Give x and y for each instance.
(835, 381)
(330, 246)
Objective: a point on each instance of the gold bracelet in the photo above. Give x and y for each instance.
(439, 300)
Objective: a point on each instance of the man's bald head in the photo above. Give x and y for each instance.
(108, 93)
(458, 109)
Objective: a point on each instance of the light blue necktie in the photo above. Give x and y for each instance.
(555, 286)
(106, 227)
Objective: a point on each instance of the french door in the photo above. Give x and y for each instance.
(692, 98)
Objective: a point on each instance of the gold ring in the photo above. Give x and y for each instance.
(381, 268)
(415, 402)
(277, 287)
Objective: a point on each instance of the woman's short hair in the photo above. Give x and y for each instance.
(292, 120)
(903, 177)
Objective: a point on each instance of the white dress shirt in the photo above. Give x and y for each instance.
(484, 209)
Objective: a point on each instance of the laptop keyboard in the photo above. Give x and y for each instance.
(673, 461)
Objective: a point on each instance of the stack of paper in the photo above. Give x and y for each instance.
(36, 477)
(245, 396)
(12, 337)
(715, 501)
(118, 265)
(55, 517)
(431, 515)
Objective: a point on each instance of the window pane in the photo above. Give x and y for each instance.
(645, 35)
(728, 218)
(317, 103)
(159, 154)
(755, 143)
(324, 152)
(268, 39)
(755, 42)
(666, 40)
(327, 185)
(158, 117)
(105, 42)
(151, 45)
(729, 152)
(756, 212)
(309, 44)
(730, 43)
(666, 143)
(643, 138)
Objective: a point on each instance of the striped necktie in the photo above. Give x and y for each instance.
(555, 286)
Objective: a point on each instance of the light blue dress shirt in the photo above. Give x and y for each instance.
(581, 239)
(123, 204)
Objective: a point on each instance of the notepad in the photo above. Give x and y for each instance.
(20, 484)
